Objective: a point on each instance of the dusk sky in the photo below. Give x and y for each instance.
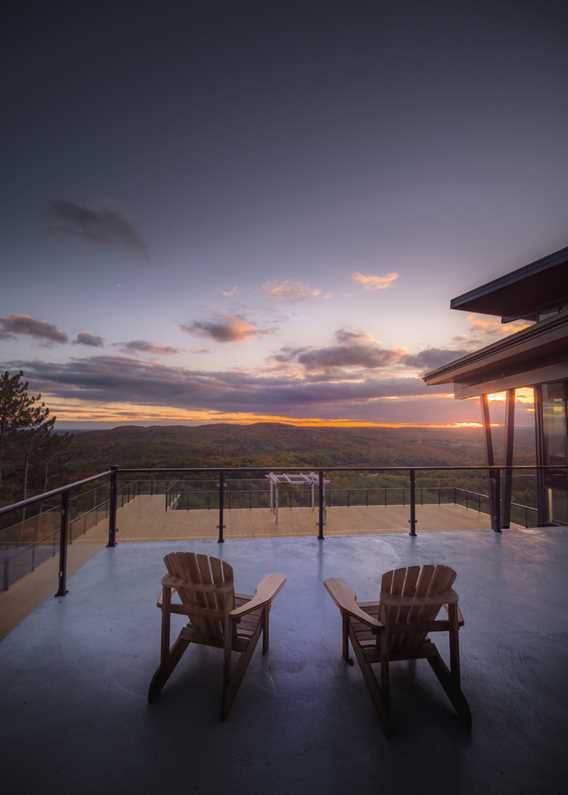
(228, 214)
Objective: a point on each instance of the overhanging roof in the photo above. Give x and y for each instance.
(523, 292)
(539, 346)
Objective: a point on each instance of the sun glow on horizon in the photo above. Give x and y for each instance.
(78, 411)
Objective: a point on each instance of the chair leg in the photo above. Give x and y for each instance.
(226, 696)
(168, 663)
(233, 678)
(375, 691)
(385, 682)
(452, 688)
(454, 643)
(266, 629)
(345, 639)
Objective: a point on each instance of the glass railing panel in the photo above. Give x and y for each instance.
(366, 502)
(452, 500)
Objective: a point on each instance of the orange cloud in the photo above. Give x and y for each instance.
(372, 281)
(492, 325)
(230, 328)
(290, 291)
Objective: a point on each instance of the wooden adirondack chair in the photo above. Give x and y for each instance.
(217, 617)
(397, 628)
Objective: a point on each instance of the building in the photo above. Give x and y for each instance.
(535, 357)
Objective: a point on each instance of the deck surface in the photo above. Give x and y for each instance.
(75, 674)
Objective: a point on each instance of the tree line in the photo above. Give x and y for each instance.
(33, 455)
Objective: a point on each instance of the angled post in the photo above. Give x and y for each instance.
(490, 458)
(509, 447)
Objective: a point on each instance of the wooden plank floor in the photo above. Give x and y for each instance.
(144, 519)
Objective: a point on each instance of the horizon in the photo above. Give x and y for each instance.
(214, 231)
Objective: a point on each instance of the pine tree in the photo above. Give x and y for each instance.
(24, 420)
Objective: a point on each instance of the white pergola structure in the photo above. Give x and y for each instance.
(307, 479)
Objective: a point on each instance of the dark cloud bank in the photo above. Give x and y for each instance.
(103, 226)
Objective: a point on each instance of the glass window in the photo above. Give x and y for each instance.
(555, 427)
(555, 417)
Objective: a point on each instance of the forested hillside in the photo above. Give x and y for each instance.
(274, 446)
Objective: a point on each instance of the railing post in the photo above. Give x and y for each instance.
(63, 536)
(112, 529)
(412, 521)
(497, 500)
(221, 526)
(367, 498)
(321, 516)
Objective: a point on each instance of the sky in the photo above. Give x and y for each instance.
(240, 213)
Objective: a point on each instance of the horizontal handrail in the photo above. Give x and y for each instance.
(351, 468)
(46, 495)
(230, 470)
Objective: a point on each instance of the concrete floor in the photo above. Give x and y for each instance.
(75, 674)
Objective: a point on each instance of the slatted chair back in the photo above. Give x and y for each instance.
(421, 584)
(208, 590)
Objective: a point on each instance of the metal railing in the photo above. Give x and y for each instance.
(35, 539)
(223, 476)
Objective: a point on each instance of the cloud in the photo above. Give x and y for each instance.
(484, 330)
(142, 346)
(230, 292)
(103, 226)
(353, 350)
(130, 380)
(290, 291)
(432, 358)
(199, 350)
(229, 328)
(92, 340)
(16, 325)
(372, 281)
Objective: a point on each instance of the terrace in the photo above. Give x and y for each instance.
(77, 667)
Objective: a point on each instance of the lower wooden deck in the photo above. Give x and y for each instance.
(145, 519)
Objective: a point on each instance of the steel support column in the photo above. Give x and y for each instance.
(509, 448)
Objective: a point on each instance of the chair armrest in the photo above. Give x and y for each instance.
(265, 592)
(446, 598)
(460, 616)
(346, 601)
(169, 581)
